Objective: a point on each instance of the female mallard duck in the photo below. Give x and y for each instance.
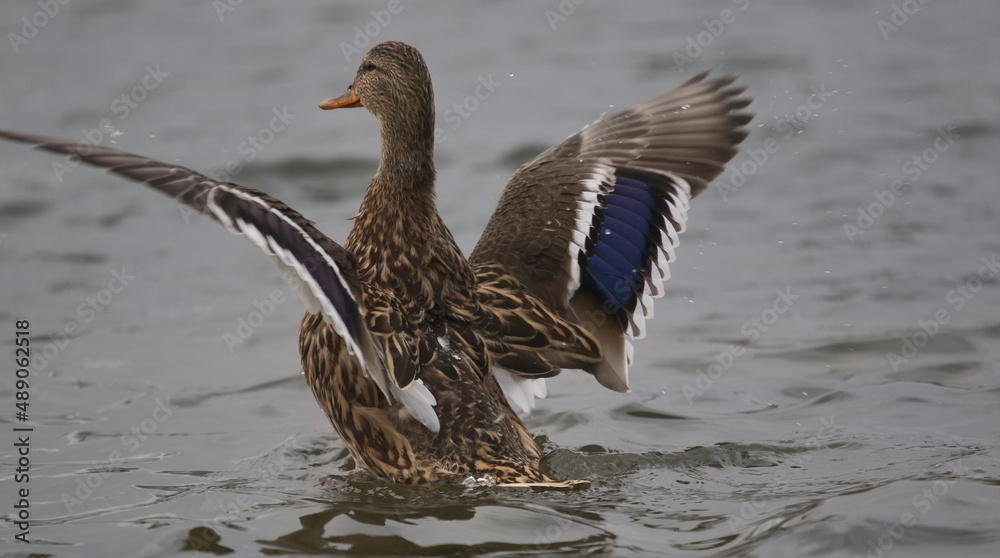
(417, 354)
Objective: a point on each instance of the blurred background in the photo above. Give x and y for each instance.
(821, 378)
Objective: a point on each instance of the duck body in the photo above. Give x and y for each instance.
(441, 319)
(419, 356)
(421, 291)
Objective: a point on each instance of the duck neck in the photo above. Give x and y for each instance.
(399, 238)
(401, 194)
(407, 160)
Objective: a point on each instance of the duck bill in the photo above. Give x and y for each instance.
(347, 99)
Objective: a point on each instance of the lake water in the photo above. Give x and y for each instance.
(822, 377)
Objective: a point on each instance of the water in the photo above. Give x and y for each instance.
(155, 434)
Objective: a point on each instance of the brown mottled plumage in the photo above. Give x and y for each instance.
(421, 287)
(412, 350)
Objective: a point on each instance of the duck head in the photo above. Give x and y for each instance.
(393, 83)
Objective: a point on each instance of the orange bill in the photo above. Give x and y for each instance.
(346, 99)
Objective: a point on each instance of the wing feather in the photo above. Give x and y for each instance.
(322, 271)
(626, 182)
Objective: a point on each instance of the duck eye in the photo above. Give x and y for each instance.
(369, 65)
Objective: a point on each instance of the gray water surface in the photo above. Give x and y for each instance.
(822, 376)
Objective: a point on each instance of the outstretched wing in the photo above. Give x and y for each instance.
(322, 271)
(590, 225)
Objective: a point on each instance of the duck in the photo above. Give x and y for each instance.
(423, 359)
